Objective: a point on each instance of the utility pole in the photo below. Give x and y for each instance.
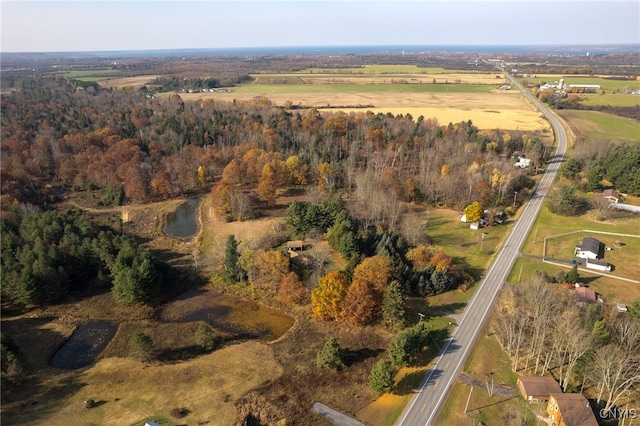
(515, 193)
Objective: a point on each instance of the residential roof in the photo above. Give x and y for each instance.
(575, 409)
(590, 244)
(610, 193)
(597, 262)
(585, 295)
(539, 385)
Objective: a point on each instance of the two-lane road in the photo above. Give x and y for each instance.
(424, 406)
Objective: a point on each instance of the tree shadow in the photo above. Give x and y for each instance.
(354, 357)
(445, 310)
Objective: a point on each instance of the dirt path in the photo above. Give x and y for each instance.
(498, 389)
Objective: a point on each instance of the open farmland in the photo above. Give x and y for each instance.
(600, 125)
(487, 107)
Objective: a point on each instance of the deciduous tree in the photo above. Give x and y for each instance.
(328, 296)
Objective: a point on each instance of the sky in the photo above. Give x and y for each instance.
(89, 25)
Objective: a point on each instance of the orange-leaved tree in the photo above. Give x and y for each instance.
(292, 290)
(361, 305)
(375, 270)
(327, 297)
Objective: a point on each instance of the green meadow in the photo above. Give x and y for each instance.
(600, 125)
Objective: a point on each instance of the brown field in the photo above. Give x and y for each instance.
(408, 78)
(499, 109)
(132, 82)
(127, 391)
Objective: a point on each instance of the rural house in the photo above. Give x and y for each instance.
(588, 249)
(567, 409)
(585, 296)
(537, 389)
(599, 265)
(611, 195)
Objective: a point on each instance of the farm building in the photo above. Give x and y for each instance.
(570, 409)
(537, 389)
(599, 265)
(611, 195)
(588, 249)
(585, 296)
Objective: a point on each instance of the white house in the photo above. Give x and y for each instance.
(523, 162)
(588, 249)
(599, 265)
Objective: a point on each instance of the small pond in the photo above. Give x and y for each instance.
(84, 345)
(246, 319)
(183, 223)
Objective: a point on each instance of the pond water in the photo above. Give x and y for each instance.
(246, 319)
(183, 223)
(241, 319)
(84, 345)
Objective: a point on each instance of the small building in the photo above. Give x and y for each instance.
(296, 245)
(598, 265)
(523, 162)
(537, 389)
(611, 195)
(474, 225)
(588, 249)
(567, 409)
(585, 296)
(622, 308)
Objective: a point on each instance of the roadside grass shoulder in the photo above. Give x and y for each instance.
(486, 362)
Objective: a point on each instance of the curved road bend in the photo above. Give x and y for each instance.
(424, 406)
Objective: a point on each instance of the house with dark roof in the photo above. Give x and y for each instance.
(585, 296)
(611, 195)
(588, 249)
(567, 409)
(537, 389)
(599, 265)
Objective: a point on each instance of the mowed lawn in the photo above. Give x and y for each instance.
(600, 125)
(625, 259)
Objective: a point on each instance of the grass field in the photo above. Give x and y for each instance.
(362, 88)
(614, 100)
(625, 259)
(599, 125)
(126, 391)
(90, 75)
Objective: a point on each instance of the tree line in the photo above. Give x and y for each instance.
(57, 134)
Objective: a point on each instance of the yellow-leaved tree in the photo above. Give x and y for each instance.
(474, 212)
(327, 297)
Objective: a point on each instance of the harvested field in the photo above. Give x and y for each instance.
(499, 109)
(388, 78)
(133, 82)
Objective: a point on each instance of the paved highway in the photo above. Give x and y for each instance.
(424, 406)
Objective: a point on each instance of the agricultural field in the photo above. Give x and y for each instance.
(90, 75)
(487, 107)
(600, 125)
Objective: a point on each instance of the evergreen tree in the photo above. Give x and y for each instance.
(141, 347)
(331, 356)
(382, 375)
(572, 277)
(136, 275)
(204, 337)
(393, 307)
(230, 274)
